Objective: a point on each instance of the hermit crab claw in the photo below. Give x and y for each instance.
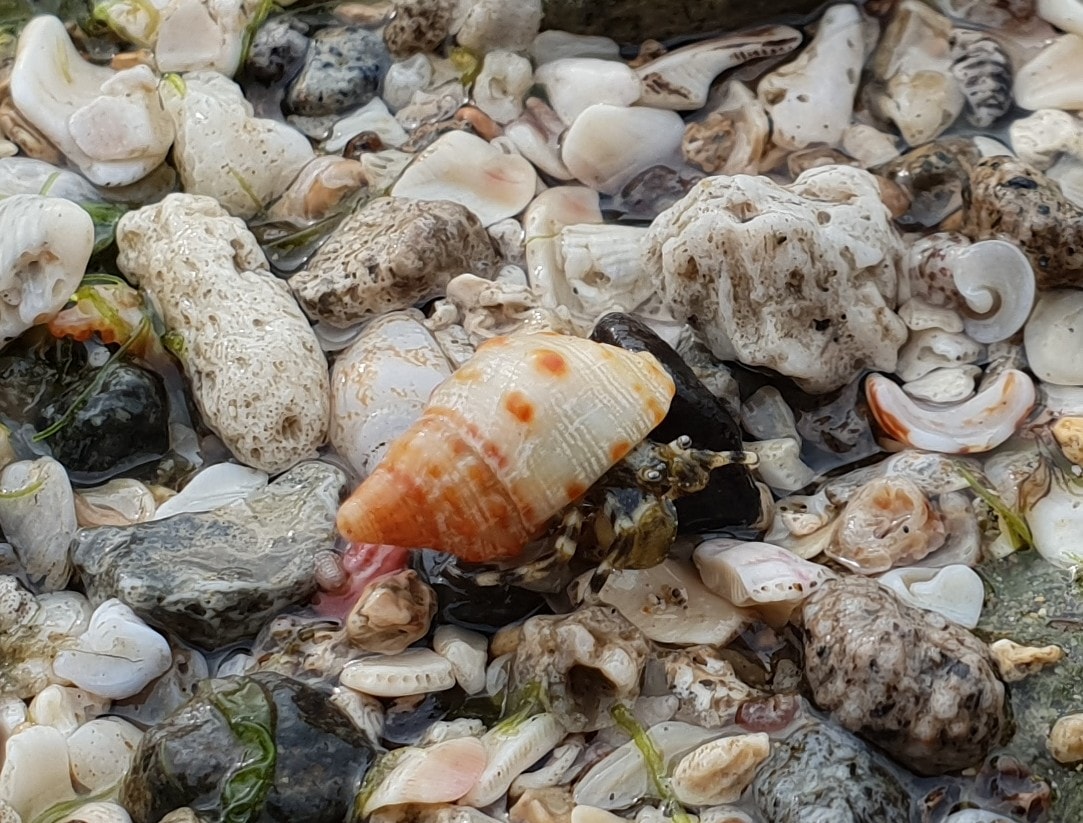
(976, 425)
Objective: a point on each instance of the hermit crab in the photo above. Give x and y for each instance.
(519, 433)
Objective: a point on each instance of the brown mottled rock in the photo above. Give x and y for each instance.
(922, 688)
(417, 26)
(391, 613)
(389, 255)
(1013, 200)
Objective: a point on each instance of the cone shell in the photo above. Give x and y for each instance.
(521, 430)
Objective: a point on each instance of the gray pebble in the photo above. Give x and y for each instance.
(343, 70)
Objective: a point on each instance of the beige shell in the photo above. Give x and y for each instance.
(521, 430)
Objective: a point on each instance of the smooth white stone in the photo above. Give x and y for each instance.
(1053, 79)
(957, 592)
(414, 671)
(35, 774)
(944, 385)
(1064, 14)
(404, 78)
(41, 543)
(117, 656)
(574, 84)
(553, 45)
(1054, 329)
(101, 752)
(670, 604)
(608, 145)
(214, 486)
(373, 116)
(54, 706)
(467, 652)
(467, 170)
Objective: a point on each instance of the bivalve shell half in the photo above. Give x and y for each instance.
(518, 432)
(437, 774)
(415, 671)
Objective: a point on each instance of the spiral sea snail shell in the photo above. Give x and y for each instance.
(521, 430)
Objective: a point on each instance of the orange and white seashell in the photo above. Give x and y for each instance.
(521, 430)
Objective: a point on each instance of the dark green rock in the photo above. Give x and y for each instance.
(632, 21)
(1032, 602)
(194, 757)
(822, 773)
(110, 427)
(216, 577)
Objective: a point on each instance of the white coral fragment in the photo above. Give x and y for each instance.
(222, 151)
(800, 278)
(257, 372)
(44, 250)
(109, 124)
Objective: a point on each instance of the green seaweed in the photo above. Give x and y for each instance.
(105, 217)
(250, 715)
(652, 758)
(1011, 522)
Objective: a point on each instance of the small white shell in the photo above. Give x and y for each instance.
(954, 591)
(758, 575)
(511, 752)
(933, 349)
(414, 671)
(1064, 14)
(780, 463)
(465, 169)
(441, 773)
(996, 282)
(374, 117)
(536, 135)
(467, 653)
(719, 771)
(545, 219)
(214, 486)
(1056, 521)
(1066, 739)
(669, 604)
(554, 772)
(41, 543)
(977, 425)
(380, 384)
(365, 712)
(944, 385)
(119, 502)
(620, 779)
(117, 656)
(1056, 328)
(501, 85)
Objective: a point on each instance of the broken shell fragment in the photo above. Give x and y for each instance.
(1066, 739)
(518, 432)
(1016, 661)
(511, 751)
(435, 774)
(1054, 329)
(719, 771)
(811, 99)
(680, 79)
(956, 591)
(415, 671)
(467, 170)
(976, 425)
(733, 136)
(984, 72)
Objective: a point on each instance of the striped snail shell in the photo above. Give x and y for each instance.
(521, 430)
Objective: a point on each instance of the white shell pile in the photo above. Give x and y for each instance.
(238, 236)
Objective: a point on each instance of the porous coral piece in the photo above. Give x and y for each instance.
(801, 278)
(389, 255)
(586, 662)
(221, 150)
(46, 245)
(1011, 199)
(239, 331)
(709, 690)
(912, 682)
(391, 613)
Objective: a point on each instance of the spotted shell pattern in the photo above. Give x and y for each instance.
(517, 433)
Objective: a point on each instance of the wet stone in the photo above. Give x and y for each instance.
(217, 577)
(917, 685)
(123, 423)
(278, 50)
(343, 70)
(197, 758)
(821, 773)
(418, 26)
